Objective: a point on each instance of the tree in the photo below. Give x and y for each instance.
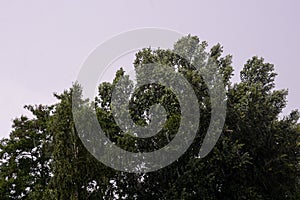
(256, 156)
(26, 156)
(76, 173)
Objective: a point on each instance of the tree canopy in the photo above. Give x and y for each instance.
(256, 156)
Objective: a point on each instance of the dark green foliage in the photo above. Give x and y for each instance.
(25, 156)
(256, 157)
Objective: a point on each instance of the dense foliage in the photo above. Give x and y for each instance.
(256, 157)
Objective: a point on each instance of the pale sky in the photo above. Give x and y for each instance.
(44, 43)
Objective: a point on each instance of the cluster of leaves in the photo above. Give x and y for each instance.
(256, 157)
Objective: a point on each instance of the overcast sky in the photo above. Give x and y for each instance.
(44, 43)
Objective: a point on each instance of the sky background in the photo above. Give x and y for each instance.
(44, 43)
